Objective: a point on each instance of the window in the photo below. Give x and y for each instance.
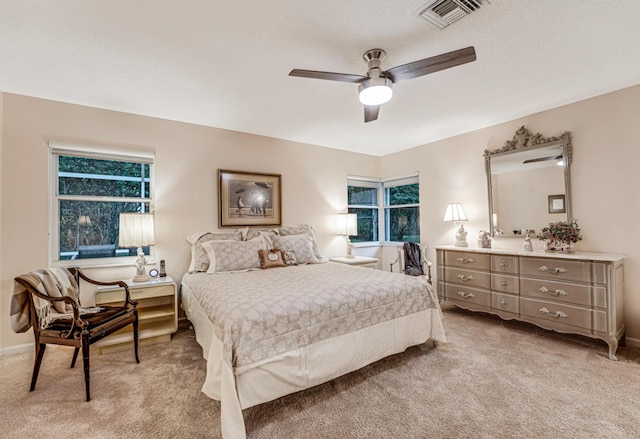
(390, 208)
(362, 199)
(90, 187)
(402, 210)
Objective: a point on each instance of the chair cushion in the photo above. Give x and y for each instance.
(95, 319)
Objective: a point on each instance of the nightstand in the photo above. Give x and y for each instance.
(361, 261)
(157, 312)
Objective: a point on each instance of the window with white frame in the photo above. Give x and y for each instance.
(389, 208)
(402, 209)
(363, 200)
(90, 187)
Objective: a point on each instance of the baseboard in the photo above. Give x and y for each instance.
(632, 342)
(15, 350)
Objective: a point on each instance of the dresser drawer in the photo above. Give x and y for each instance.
(505, 284)
(556, 315)
(505, 303)
(578, 271)
(476, 279)
(463, 295)
(504, 264)
(473, 261)
(578, 294)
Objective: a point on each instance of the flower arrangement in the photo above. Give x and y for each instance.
(560, 235)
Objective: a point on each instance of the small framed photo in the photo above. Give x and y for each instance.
(557, 204)
(249, 199)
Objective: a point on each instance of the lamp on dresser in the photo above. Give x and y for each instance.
(456, 215)
(136, 230)
(348, 226)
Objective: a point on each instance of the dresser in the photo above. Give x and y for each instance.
(578, 293)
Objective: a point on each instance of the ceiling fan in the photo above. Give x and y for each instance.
(375, 87)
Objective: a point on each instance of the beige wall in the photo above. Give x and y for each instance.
(187, 159)
(604, 178)
(605, 181)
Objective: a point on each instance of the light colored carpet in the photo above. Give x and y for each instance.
(494, 379)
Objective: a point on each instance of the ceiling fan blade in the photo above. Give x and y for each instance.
(330, 76)
(542, 159)
(371, 112)
(431, 65)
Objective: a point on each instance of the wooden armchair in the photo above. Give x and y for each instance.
(426, 264)
(80, 330)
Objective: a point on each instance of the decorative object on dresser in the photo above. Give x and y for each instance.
(484, 239)
(521, 175)
(579, 293)
(348, 226)
(456, 215)
(136, 230)
(157, 312)
(249, 199)
(560, 236)
(48, 301)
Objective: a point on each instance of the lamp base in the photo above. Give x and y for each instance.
(461, 244)
(461, 237)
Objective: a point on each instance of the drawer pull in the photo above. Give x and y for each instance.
(465, 260)
(503, 264)
(504, 302)
(503, 284)
(556, 270)
(464, 278)
(466, 295)
(557, 314)
(557, 292)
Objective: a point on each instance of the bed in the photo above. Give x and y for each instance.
(266, 333)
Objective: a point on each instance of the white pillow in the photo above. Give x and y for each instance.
(301, 245)
(304, 229)
(199, 258)
(233, 255)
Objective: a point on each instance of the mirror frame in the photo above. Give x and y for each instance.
(522, 140)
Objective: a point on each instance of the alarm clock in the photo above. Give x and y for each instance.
(153, 272)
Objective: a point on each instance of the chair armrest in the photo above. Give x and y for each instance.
(122, 284)
(428, 263)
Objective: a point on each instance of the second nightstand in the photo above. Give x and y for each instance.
(157, 312)
(362, 261)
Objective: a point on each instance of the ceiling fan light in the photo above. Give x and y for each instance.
(375, 91)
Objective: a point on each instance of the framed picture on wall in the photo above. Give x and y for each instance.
(249, 199)
(556, 204)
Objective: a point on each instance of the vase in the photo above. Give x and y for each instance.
(557, 246)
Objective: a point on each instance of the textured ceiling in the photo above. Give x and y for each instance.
(225, 63)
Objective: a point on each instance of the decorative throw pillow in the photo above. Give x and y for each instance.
(199, 258)
(304, 229)
(290, 257)
(301, 245)
(233, 255)
(271, 258)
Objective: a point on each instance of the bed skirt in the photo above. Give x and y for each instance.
(302, 368)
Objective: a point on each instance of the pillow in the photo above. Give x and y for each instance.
(271, 258)
(199, 258)
(233, 255)
(290, 257)
(253, 233)
(301, 245)
(303, 229)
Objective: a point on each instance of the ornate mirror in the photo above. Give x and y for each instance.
(528, 183)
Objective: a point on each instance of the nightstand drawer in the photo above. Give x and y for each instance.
(137, 293)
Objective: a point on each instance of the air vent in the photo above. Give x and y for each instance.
(442, 13)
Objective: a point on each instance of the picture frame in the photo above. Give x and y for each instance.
(557, 204)
(249, 199)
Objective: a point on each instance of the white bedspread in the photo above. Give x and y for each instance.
(266, 322)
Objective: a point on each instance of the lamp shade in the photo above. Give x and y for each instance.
(375, 91)
(455, 213)
(347, 224)
(136, 229)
